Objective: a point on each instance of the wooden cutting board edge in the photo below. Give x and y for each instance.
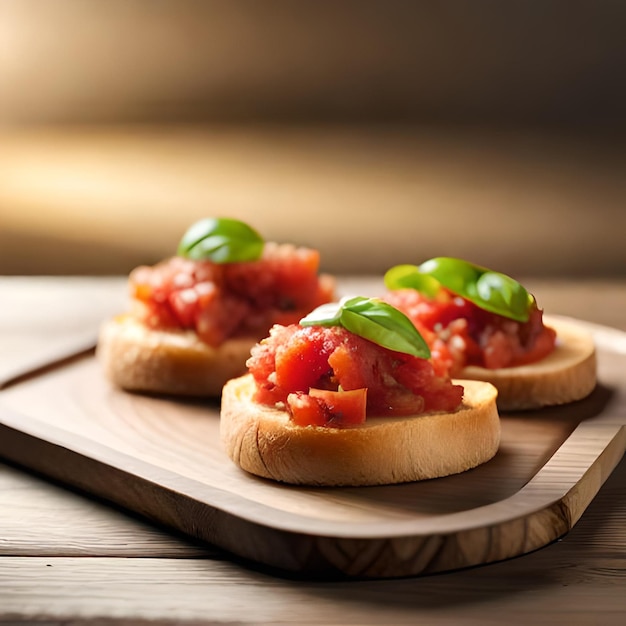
(546, 508)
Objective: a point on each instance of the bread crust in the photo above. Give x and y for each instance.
(137, 358)
(263, 441)
(566, 375)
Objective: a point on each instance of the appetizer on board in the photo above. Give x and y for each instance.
(349, 396)
(484, 325)
(195, 316)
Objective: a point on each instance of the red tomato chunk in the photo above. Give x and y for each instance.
(328, 376)
(459, 333)
(219, 301)
(321, 407)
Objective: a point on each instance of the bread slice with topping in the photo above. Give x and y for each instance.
(194, 316)
(176, 362)
(567, 374)
(264, 441)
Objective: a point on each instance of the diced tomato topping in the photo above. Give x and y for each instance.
(348, 376)
(344, 407)
(321, 407)
(303, 361)
(306, 410)
(460, 334)
(220, 301)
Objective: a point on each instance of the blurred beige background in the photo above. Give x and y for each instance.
(379, 132)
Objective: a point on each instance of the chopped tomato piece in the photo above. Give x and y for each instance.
(353, 367)
(344, 407)
(321, 407)
(302, 362)
(306, 410)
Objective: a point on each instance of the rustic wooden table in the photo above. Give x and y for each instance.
(69, 559)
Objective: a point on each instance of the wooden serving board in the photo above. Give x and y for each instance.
(162, 458)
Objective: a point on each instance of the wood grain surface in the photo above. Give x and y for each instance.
(162, 458)
(70, 559)
(45, 321)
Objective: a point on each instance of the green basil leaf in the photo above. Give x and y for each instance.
(409, 277)
(499, 292)
(373, 320)
(488, 290)
(324, 315)
(457, 275)
(221, 240)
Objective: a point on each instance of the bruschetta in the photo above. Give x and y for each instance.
(349, 396)
(194, 317)
(485, 325)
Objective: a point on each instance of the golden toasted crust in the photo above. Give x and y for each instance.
(137, 358)
(263, 441)
(565, 375)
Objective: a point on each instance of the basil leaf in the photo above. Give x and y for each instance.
(500, 292)
(324, 315)
(488, 290)
(373, 320)
(409, 277)
(458, 276)
(221, 240)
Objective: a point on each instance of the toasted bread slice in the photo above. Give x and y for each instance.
(565, 375)
(263, 441)
(137, 358)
